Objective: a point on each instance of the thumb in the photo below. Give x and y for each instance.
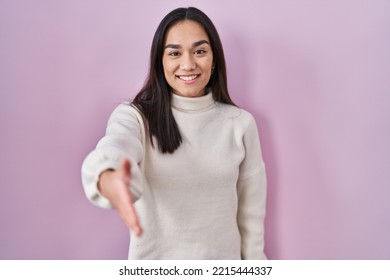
(124, 168)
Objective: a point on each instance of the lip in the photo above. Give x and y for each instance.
(190, 78)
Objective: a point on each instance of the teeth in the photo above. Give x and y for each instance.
(188, 78)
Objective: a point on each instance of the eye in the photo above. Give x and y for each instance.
(174, 53)
(200, 52)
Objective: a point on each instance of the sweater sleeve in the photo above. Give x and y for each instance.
(251, 191)
(123, 139)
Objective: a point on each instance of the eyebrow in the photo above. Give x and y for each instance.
(196, 44)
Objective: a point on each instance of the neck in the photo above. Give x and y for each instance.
(200, 103)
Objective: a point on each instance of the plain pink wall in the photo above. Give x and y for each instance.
(314, 73)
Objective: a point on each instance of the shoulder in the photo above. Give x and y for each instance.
(239, 116)
(125, 108)
(125, 111)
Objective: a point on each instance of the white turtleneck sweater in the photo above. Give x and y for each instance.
(204, 201)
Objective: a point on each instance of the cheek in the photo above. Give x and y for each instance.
(209, 64)
(166, 73)
(168, 69)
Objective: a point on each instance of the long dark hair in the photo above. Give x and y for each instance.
(154, 99)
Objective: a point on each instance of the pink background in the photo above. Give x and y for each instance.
(315, 74)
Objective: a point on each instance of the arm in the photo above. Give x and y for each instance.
(110, 174)
(251, 190)
(123, 139)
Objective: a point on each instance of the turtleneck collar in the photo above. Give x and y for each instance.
(188, 104)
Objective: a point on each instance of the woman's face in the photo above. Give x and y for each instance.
(187, 58)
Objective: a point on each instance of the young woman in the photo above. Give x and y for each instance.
(181, 164)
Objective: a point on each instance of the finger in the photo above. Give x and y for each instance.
(125, 167)
(129, 214)
(131, 219)
(124, 171)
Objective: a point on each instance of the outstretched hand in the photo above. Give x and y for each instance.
(114, 185)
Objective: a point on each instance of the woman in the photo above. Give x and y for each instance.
(181, 164)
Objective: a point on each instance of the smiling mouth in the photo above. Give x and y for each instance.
(188, 77)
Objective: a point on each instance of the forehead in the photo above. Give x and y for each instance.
(186, 31)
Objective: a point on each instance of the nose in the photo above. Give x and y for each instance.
(187, 63)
